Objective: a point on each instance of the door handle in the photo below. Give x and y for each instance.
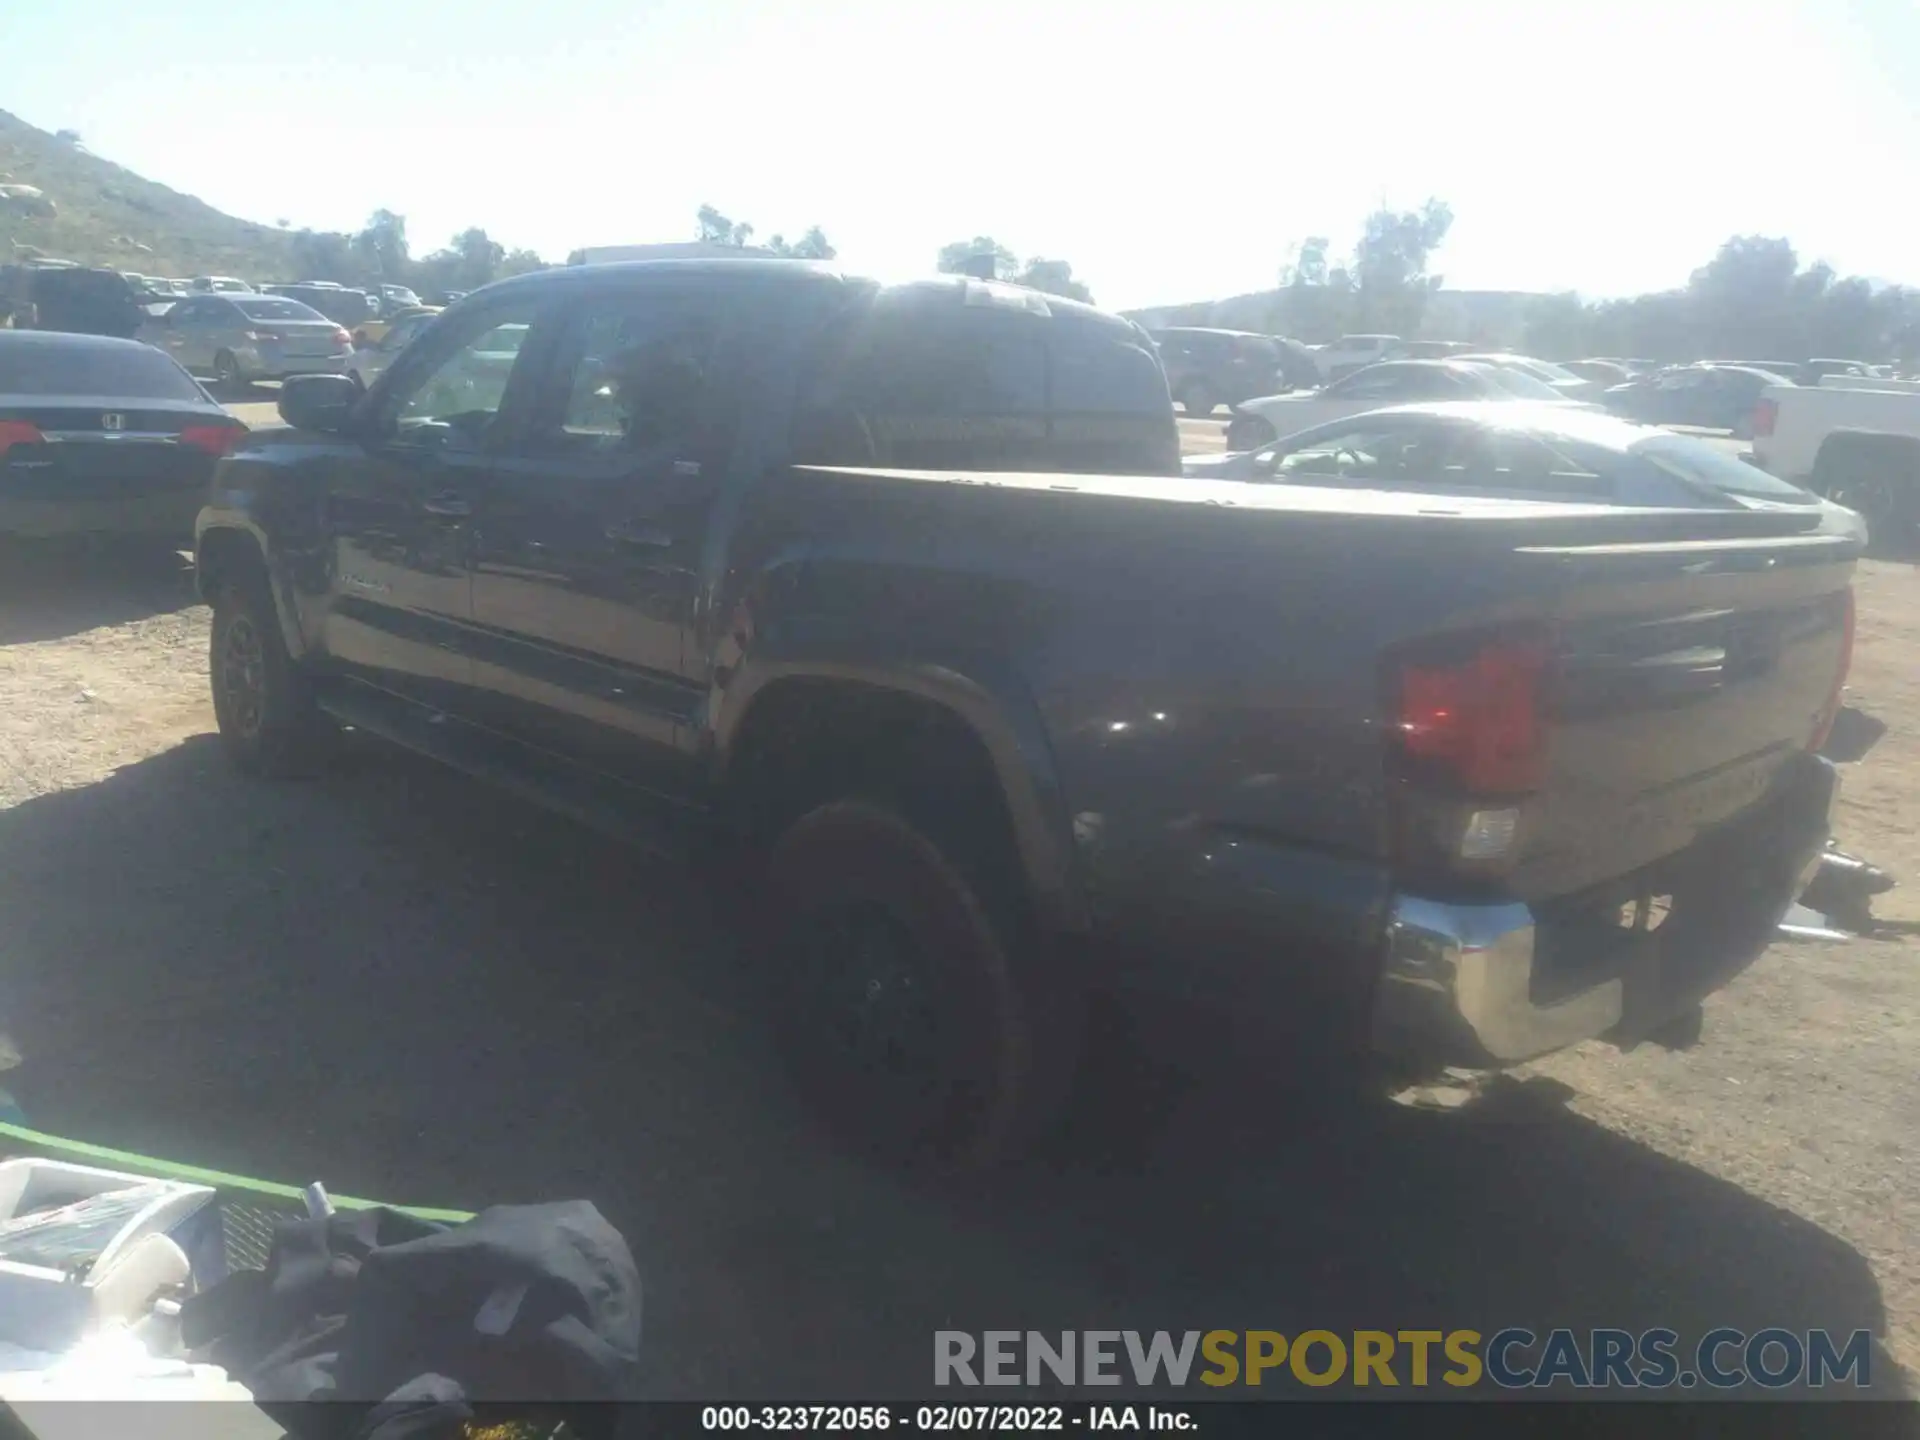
(447, 505)
(650, 537)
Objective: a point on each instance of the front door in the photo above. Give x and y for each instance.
(588, 544)
(400, 513)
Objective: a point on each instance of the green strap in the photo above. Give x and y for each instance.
(168, 1170)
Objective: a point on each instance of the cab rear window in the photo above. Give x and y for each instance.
(952, 387)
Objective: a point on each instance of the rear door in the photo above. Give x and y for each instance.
(185, 330)
(589, 537)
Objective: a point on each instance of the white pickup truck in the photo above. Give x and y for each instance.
(1350, 352)
(1858, 446)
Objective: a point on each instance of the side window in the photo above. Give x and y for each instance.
(1375, 453)
(637, 374)
(1370, 384)
(1502, 460)
(453, 397)
(1422, 383)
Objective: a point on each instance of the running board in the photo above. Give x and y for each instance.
(621, 812)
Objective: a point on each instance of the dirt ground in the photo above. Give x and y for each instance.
(408, 986)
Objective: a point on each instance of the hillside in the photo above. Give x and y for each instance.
(106, 215)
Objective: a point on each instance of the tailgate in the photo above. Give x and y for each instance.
(1684, 678)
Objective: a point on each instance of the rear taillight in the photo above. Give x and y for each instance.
(1830, 712)
(1764, 415)
(214, 439)
(341, 337)
(18, 432)
(1470, 722)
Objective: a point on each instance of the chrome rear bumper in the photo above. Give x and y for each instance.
(1458, 984)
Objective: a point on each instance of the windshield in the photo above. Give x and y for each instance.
(1699, 464)
(1518, 383)
(271, 309)
(108, 371)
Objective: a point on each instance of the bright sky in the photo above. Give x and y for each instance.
(1170, 151)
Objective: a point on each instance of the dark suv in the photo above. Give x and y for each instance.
(339, 304)
(73, 298)
(1206, 368)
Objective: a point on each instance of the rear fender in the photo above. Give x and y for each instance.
(988, 698)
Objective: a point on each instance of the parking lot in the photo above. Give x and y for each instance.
(408, 986)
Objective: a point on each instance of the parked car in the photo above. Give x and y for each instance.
(1427, 349)
(1395, 382)
(1713, 397)
(1352, 352)
(1859, 447)
(345, 307)
(368, 361)
(398, 297)
(1568, 384)
(1525, 451)
(103, 436)
(238, 339)
(220, 285)
(372, 332)
(81, 300)
(714, 561)
(1209, 368)
(1818, 369)
(1600, 372)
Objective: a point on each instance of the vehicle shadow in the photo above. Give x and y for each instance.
(411, 987)
(48, 592)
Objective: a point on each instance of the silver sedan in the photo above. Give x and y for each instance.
(238, 339)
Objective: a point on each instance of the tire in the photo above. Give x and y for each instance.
(1876, 479)
(916, 1016)
(1249, 432)
(226, 373)
(1197, 401)
(268, 718)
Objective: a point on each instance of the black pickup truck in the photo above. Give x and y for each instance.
(897, 591)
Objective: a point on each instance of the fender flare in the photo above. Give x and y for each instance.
(993, 703)
(223, 521)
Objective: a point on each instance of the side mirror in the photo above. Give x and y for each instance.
(318, 402)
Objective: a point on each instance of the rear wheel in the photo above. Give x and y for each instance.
(1875, 477)
(263, 702)
(227, 374)
(1248, 432)
(1197, 400)
(917, 1015)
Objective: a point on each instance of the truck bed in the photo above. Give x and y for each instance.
(1694, 651)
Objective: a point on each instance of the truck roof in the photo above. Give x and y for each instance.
(932, 290)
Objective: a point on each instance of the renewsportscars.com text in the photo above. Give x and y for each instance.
(1514, 1358)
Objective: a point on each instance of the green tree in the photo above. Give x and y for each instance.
(717, 229)
(813, 245)
(1389, 268)
(327, 255)
(1055, 277)
(382, 246)
(1556, 328)
(954, 258)
(520, 262)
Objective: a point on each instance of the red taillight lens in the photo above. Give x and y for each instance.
(214, 439)
(1764, 415)
(1474, 723)
(1830, 712)
(341, 337)
(18, 432)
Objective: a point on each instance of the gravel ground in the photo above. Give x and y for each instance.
(411, 987)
